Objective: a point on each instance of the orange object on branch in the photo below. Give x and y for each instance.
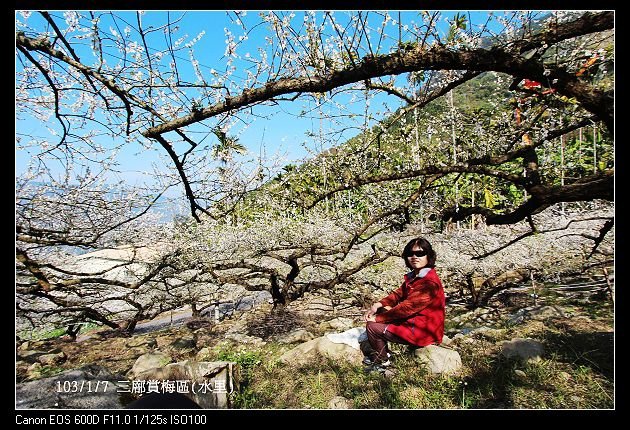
(530, 85)
(586, 65)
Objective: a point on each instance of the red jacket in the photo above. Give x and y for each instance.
(417, 313)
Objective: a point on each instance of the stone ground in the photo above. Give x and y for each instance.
(187, 337)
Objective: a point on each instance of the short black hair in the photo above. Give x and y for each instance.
(425, 245)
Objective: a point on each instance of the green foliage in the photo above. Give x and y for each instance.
(246, 359)
(561, 379)
(227, 146)
(47, 371)
(247, 362)
(51, 334)
(313, 386)
(489, 198)
(575, 372)
(55, 332)
(458, 23)
(482, 120)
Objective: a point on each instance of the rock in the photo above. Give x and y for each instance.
(31, 356)
(203, 354)
(532, 328)
(184, 343)
(520, 373)
(339, 402)
(487, 332)
(238, 327)
(538, 313)
(389, 373)
(446, 340)
(245, 339)
(307, 351)
(522, 348)
(25, 346)
(52, 359)
(546, 312)
(299, 335)
(36, 345)
(34, 371)
(439, 359)
(21, 367)
(461, 338)
(137, 352)
(565, 376)
(141, 342)
(148, 361)
(208, 383)
(90, 387)
(337, 324)
(353, 337)
(518, 317)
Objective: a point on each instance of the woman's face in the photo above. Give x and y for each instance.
(416, 260)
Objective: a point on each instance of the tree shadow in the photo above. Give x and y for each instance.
(496, 380)
(591, 349)
(494, 383)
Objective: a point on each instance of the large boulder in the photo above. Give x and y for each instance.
(439, 359)
(522, 348)
(245, 339)
(207, 383)
(52, 359)
(337, 324)
(299, 335)
(90, 387)
(307, 351)
(148, 361)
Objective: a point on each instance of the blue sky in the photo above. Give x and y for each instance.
(283, 132)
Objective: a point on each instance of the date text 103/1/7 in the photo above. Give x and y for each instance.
(82, 386)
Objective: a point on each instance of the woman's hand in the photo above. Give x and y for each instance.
(369, 315)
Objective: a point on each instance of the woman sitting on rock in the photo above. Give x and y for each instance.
(411, 315)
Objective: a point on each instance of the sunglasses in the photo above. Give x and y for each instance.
(417, 253)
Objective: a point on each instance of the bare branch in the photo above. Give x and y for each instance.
(53, 87)
(437, 58)
(608, 225)
(534, 230)
(52, 23)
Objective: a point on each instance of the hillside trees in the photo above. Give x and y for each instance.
(101, 84)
